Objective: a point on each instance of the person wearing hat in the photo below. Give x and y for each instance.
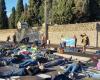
(85, 41)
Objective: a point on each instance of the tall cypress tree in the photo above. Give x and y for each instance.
(49, 11)
(19, 10)
(81, 11)
(34, 6)
(3, 16)
(25, 15)
(62, 11)
(26, 7)
(94, 9)
(12, 19)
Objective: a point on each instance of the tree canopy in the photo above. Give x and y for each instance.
(19, 10)
(3, 16)
(58, 12)
(12, 19)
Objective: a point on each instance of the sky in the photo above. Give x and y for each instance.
(12, 3)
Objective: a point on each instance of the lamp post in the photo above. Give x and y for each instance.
(46, 20)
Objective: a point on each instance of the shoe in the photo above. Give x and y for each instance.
(71, 75)
(62, 67)
(59, 72)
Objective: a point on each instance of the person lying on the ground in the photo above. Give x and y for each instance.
(28, 63)
(2, 63)
(74, 68)
(29, 49)
(31, 62)
(96, 67)
(93, 60)
(30, 70)
(14, 59)
(94, 72)
(19, 58)
(41, 60)
(55, 63)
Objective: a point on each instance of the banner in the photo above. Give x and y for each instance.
(70, 42)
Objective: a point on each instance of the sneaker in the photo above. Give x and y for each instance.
(59, 72)
(71, 75)
(62, 67)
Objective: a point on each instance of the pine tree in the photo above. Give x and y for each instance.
(12, 19)
(19, 10)
(3, 16)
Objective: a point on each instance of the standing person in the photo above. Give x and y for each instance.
(62, 42)
(43, 40)
(48, 43)
(75, 40)
(14, 38)
(85, 41)
(8, 39)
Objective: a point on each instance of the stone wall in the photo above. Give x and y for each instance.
(10, 32)
(5, 33)
(67, 31)
(70, 30)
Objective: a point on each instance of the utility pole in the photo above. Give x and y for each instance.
(46, 20)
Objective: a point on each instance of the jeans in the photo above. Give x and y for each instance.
(94, 75)
(54, 63)
(13, 72)
(27, 63)
(6, 60)
(73, 68)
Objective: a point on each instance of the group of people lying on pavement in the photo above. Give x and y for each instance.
(34, 63)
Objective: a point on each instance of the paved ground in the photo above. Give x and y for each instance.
(53, 73)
